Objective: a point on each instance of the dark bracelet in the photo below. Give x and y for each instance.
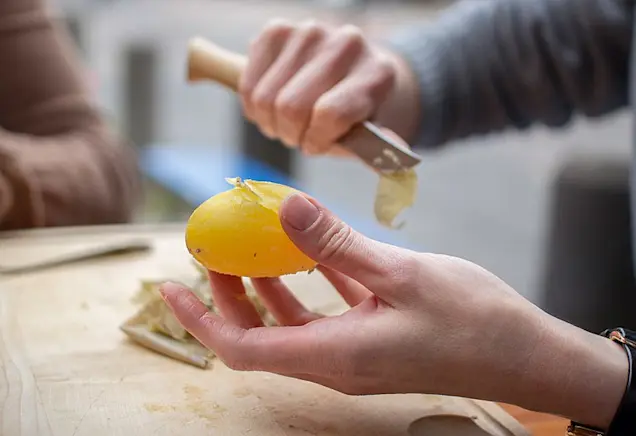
(624, 421)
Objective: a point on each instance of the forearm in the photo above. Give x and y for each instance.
(76, 178)
(59, 162)
(484, 66)
(574, 374)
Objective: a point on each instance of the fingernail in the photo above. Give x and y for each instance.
(299, 212)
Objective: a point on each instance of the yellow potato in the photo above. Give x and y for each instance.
(238, 232)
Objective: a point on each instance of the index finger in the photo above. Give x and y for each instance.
(262, 54)
(293, 349)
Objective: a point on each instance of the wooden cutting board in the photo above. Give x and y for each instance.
(66, 368)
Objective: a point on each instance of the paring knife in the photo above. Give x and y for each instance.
(95, 252)
(207, 61)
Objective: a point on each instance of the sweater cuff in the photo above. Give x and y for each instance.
(422, 51)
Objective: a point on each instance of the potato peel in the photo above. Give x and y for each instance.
(396, 192)
(155, 327)
(260, 192)
(245, 189)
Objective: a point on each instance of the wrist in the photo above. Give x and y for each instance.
(575, 374)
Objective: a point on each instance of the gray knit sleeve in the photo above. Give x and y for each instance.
(487, 65)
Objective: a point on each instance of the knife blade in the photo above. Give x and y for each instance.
(208, 61)
(79, 255)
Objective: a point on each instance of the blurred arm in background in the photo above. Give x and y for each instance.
(486, 65)
(481, 67)
(59, 162)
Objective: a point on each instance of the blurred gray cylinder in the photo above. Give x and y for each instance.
(588, 278)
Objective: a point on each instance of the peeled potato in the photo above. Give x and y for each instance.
(238, 232)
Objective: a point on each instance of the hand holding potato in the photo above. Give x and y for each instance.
(418, 323)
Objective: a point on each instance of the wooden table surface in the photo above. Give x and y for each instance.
(18, 291)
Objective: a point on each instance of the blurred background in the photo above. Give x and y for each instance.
(488, 200)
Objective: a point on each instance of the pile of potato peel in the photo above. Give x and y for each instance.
(155, 327)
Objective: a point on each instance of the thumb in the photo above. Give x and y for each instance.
(331, 242)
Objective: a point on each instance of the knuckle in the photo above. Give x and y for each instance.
(351, 37)
(382, 76)
(203, 318)
(336, 241)
(276, 28)
(263, 101)
(311, 29)
(332, 116)
(290, 108)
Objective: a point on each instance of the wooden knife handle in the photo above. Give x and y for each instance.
(207, 61)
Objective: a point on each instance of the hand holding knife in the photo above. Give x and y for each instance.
(207, 61)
